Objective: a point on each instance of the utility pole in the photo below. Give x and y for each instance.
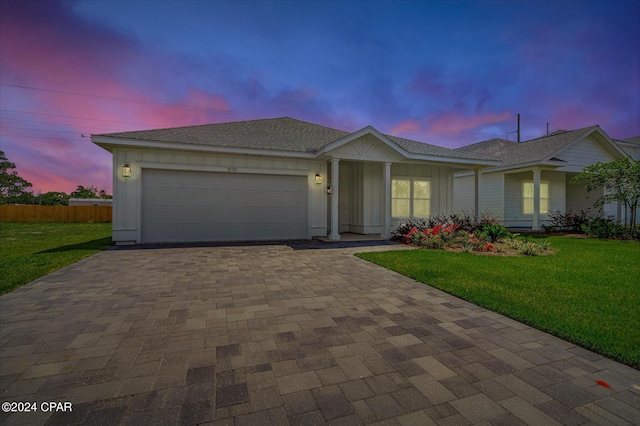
(518, 115)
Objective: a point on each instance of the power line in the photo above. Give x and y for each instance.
(52, 123)
(78, 118)
(88, 95)
(39, 130)
(37, 137)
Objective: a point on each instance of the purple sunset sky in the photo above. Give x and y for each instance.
(449, 73)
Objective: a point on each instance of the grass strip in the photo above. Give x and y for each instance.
(32, 250)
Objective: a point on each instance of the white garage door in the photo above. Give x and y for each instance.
(181, 206)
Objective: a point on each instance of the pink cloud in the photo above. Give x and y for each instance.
(46, 46)
(406, 127)
(451, 122)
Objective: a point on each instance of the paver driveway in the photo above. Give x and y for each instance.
(269, 334)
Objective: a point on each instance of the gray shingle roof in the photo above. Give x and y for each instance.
(634, 140)
(538, 149)
(415, 147)
(280, 134)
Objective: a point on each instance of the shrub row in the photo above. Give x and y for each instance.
(594, 226)
(466, 234)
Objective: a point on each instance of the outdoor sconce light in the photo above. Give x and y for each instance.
(318, 179)
(126, 170)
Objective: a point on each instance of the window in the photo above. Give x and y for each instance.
(527, 197)
(410, 197)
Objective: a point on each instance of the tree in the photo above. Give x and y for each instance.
(103, 194)
(622, 180)
(82, 192)
(53, 198)
(11, 185)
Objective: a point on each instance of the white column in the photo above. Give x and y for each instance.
(536, 200)
(386, 231)
(335, 191)
(476, 182)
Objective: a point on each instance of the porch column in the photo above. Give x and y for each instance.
(476, 183)
(335, 191)
(386, 230)
(536, 200)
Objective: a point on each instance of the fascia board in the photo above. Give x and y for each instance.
(109, 143)
(516, 168)
(454, 160)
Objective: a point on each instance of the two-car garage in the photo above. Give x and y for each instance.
(191, 206)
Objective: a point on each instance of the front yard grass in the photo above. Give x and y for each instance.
(32, 250)
(587, 293)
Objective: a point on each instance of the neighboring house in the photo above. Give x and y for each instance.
(274, 179)
(90, 202)
(534, 177)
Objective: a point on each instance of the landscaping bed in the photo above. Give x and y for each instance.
(459, 233)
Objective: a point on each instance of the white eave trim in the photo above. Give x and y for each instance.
(548, 164)
(454, 160)
(106, 142)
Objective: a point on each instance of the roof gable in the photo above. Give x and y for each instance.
(365, 146)
(545, 149)
(586, 151)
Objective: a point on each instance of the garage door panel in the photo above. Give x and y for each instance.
(225, 215)
(201, 206)
(189, 197)
(186, 233)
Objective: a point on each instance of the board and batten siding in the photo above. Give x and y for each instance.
(492, 194)
(361, 195)
(464, 194)
(441, 179)
(127, 199)
(514, 217)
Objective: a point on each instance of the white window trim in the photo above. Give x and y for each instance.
(411, 180)
(522, 198)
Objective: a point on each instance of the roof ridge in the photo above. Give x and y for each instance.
(558, 133)
(484, 141)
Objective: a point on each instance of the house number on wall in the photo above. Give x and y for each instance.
(232, 169)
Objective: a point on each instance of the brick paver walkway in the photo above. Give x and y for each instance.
(271, 335)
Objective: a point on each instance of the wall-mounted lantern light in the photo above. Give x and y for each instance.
(318, 179)
(126, 170)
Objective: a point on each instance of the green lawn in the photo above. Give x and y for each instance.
(32, 250)
(587, 293)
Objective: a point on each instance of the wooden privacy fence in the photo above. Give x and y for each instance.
(72, 214)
